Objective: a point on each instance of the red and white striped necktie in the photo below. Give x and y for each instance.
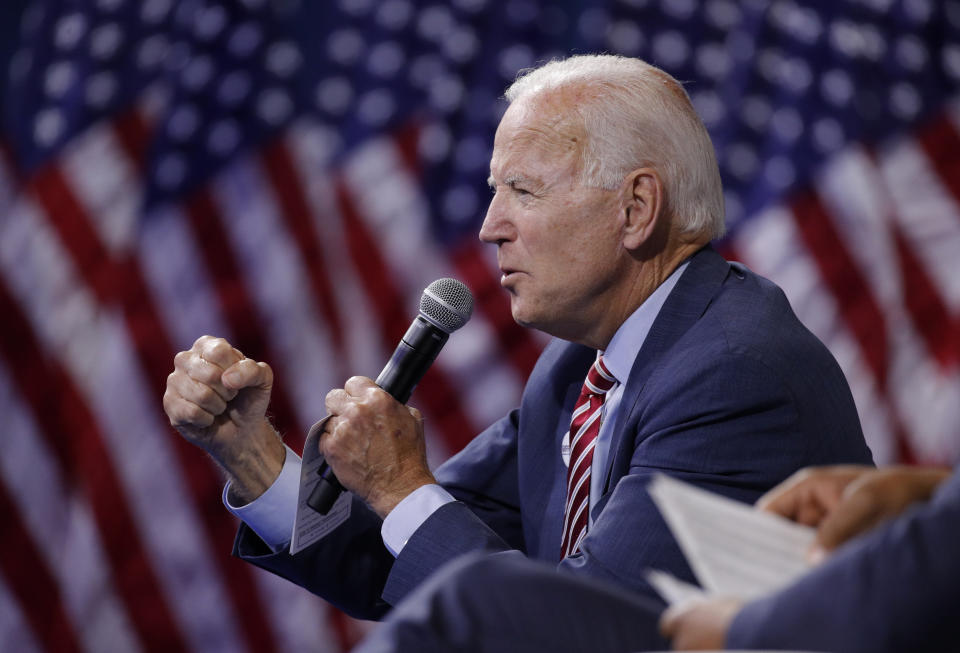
(584, 428)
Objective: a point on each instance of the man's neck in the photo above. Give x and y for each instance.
(645, 278)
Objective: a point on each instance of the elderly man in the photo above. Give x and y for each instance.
(606, 196)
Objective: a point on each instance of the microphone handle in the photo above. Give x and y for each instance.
(411, 359)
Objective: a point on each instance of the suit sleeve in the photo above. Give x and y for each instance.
(896, 589)
(352, 568)
(486, 517)
(348, 568)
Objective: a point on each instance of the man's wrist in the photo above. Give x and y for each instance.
(273, 513)
(254, 467)
(408, 515)
(385, 502)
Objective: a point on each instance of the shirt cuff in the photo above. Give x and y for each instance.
(407, 516)
(271, 515)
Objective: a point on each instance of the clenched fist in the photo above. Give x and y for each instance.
(217, 399)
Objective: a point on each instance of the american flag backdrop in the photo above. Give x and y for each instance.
(290, 175)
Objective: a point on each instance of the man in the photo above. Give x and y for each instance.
(894, 589)
(606, 196)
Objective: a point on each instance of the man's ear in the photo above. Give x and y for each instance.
(643, 197)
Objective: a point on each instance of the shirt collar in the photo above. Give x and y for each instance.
(627, 341)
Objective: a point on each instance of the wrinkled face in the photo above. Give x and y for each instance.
(559, 245)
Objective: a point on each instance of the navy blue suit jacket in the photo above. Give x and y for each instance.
(729, 392)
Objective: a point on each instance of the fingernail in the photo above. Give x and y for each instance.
(231, 377)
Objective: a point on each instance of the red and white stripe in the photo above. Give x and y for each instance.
(131, 549)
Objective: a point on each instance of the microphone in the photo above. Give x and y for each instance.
(445, 306)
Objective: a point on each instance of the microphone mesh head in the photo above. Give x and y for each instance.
(447, 304)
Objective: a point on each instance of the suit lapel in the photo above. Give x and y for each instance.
(695, 289)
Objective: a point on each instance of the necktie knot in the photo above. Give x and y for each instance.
(599, 379)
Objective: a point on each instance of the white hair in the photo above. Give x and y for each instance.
(636, 115)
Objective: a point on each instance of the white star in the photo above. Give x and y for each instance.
(386, 59)
(274, 106)
(283, 58)
(152, 52)
(59, 78)
(224, 137)
(446, 93)
(155, 11)
(345, 46)
(625, 37)
(376, 107)
(101, 89)
(171, 170)
(460, 203)
(48, 126)
(435, 22)
(105, 40)
(69, 30)
(394, 14)
(670, 48)
(334, 95)
(183, 123)
(245, 39)
(234, 88)
(434, 142)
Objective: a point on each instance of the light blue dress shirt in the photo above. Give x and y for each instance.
(271, 515)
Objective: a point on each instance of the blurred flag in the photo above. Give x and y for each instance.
(291, 175)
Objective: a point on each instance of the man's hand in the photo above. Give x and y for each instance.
(374, 444)
(217, 399)
(845, 501)
(699, 624)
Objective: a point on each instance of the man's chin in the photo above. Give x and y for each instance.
(525, 318)
(520, 317)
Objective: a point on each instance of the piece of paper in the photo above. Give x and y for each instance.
(310, 526)
(733, 549)
(672, 589)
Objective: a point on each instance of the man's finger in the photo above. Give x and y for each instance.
(217, 351)
(336, 402)
(247, 373)
(358, 385)
(671, 617)
(811, 493)
(183, 413)
(201, 394)
(856, 514)
(203, 371)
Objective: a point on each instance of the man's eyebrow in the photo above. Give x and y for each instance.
(513, 181)
(510, 180)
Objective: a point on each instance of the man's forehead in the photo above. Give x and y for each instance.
(534, 130)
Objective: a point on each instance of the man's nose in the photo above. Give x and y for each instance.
(496, 227)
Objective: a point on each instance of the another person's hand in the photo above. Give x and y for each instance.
(374, 444)
(699, 624)
(845, 501)
(217, 399)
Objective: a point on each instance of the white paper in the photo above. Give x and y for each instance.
(733, 549)
(672, 589)
(310, 526)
